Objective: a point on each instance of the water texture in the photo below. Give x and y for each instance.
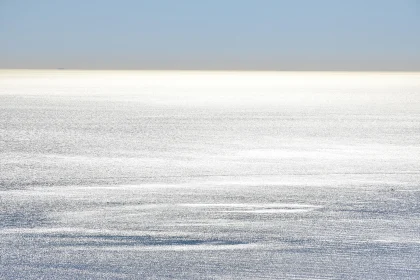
(209, 175)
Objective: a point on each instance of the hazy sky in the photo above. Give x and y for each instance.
(216, 34)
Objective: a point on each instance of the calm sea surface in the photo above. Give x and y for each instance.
(209, 175)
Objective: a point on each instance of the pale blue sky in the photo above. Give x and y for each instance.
(216, 34)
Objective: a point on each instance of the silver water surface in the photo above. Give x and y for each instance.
(154, 175)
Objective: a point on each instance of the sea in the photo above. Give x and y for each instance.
(209, 175)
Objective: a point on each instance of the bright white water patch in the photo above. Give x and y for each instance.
(209, 175)
(209, 247)
(255, 208)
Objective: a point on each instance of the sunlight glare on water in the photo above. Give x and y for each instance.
(189, 175)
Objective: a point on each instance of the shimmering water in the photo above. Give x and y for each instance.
(209, 175)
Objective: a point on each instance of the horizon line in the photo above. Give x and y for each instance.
(211, 70)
